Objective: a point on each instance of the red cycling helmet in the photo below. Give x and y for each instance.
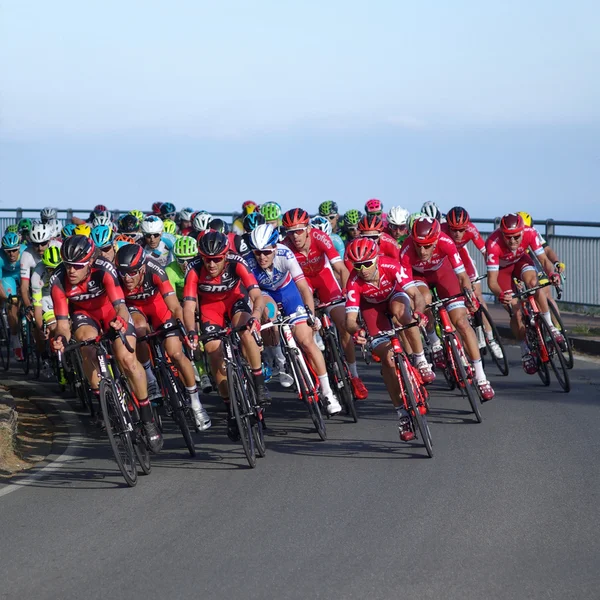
(374, 206)
(425, 231)
(362, 249)
(156, 208)
(457, 218)
(512, 224)
(249, 207)
(370, 223)
(295, 218)
(100, 208)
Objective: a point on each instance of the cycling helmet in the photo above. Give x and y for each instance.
(129, 257)
(11, 240)
(51, 257)
(129, 224)
(263, 236)
(321, 223)
(100, 208)
(413, 217)
(102, 235)
(271, 211)
(47, 213)
(370, 223)
(527, 220)
(219, 225)
(252, 221)
(101, 220)
(329, 207)
(156, 208)
(249, 207)
(374, 206)
(123, 237)
(185, 214)
(83, 229)
(138, 214)
(362, 249)
(398, 216)
(511, 224)
(294, 219)
(68, 229)
(152, 224)
(213, 243)
(202, 221)
(41, 232)
(25, 225)
(12, 229)
(430, 209)
(352, 217)
(56, 227)
(170, 226)
(425, 231)
(457, 218)
(77, 249)
(168, 210)
(185, 247)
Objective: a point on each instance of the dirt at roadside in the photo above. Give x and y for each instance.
(35, 433)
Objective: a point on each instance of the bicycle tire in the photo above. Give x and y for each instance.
(502, 364)
(469, 384)
(236, 398)
(141, 452)
(171, 391)
(556, 319)
(561, 370)
(25, 346)
(366, 353)
(118, 437)
(415, 413)
(533, 342)
(257, 419)
(4, 344)
(338, 375)
(447, 370)
(314, 410)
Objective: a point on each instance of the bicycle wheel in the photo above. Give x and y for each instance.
(447, 370)
(4, 343)
(141, 450)
(502, 362)
(237, 393)
(25, 344)
(339, 376)
(308, 395)
(567, 351)
(171, 391)
(117, 428)
(415, 413)
(557, 360)
(466, 382)
(257, 414)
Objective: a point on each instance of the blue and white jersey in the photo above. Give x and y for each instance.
(163, 254)
(8, 269)
(285, 269)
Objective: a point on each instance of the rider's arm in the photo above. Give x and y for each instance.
(531, 239)
(190, 295)
(352, 305)
(447, 246)
(24, 288)
(61, 312)
(306, 294)
(258, 302)
(115, 294)
(493, 266)
(552, 256)
(339, 268)
(476, 237)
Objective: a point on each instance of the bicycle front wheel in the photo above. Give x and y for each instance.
(118, 423)
(501, 361)
(339, 376)
(4, 344)
(466, 382)
(567, 350)
(555, 356)
(257, 414)
(239, 403)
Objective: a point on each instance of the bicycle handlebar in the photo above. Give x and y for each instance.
(392, 331)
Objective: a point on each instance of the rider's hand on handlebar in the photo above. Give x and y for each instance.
(316, 323)
(554, 278)
(253, 325)
(192, 339)
(360, 337)
(58, 343)
(119, 323)
(506, 297)
(560, 267)
(421, 318)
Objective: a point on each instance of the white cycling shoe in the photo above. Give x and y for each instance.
(202, 419)
(333, 406)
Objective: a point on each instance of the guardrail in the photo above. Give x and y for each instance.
(580, 253)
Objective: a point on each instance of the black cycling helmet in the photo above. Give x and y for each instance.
(219, 225)
(252, 221)
(129, 257)
(77, 249)
(129, 224)
(213, 243)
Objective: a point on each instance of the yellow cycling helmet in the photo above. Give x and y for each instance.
(138, 214)
(526, 218)
(83, 229)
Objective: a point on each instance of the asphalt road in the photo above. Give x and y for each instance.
(506, 509)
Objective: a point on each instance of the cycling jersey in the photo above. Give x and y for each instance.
(10, 272)
(163, 253)
(444, 250)
(388, 246)
(338, 242)
(471, 234)
(176, 276)
(30, 258)
(498, 254)
(40, 288)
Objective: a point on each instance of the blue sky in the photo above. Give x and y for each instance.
(495, 106)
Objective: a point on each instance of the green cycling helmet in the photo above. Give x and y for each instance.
(329, 207)
(413, 218)
(12, 229)
(185, 247)
(138, 214)
(25, 225)
(352, 217)
(51, 257)
(169, 226)
(271, 211)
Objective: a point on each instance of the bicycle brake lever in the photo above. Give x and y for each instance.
(257, 339)
(125, 342)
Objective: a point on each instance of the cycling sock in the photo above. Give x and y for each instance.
(145, 410)
(278, 354)
(548, 319)
(419, 357)
(258, 377)
(434, 339)
(489, 335)
(352, 368)
(194, 398)
(324, 383)
(149, 373)
(479, 372)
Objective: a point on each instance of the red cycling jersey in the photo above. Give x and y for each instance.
(444, 249)
(498, 254)
(321, 253)
(471, 235)
(388, 246)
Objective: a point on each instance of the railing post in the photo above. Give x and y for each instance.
(69, 214)
(19, 214)
(497, 222)
(549, 227)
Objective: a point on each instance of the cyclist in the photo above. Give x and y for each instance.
(320, 263)
(86, 290)
(350, 222)
(272, 212)
(380, 287)
(130, 224)
(237, 243)
(220, 284)
(151, 299)
(251, 222)
(200, 224)
(248, 208)
(507, 258)
(48, 214)
(155, 209)
(184, 220)
(158, 245)
(431, 210)
(374, 208)
(103, 237)
(397, 225)
(170, 227)
(10, 257)
(168, 211)
(67, 230)
(434, 260)
(329, 210)
(282, 281)
(25, 226)
(99, 210)
(83, 229)
(324, 225)
(372, 227)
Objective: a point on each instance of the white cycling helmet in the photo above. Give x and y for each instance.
(398, 216)
(152, 224)
(47, 214)
(262, 236)
(56, 227)
(41, 232)
(202, 221)
(430, 209)
(322, 223)
(103, 219)
(185, 214)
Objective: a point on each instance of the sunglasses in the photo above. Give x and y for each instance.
(454, 230)
(371, 236)
(263, 252)
(11, 250)
(426, 246)
(295, 231)
(106, 249)
(129, 273)
(364, 265)
(183, 261)
(332, 217)
(152, 235)
(213, 259)
(76, 266)
(39, 244)
(512, 237)
(375, 214)
(351, 228)
(391, 226)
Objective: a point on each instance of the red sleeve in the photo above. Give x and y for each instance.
(406, 255)
(324, 243)
(477, 239)
(246, 276)
(446, 246)
(190, 287)
(531, 239)
(59, 299)
(492, 254)
(162, 283)
(389, 247)
(353, 294)
(113, 287)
